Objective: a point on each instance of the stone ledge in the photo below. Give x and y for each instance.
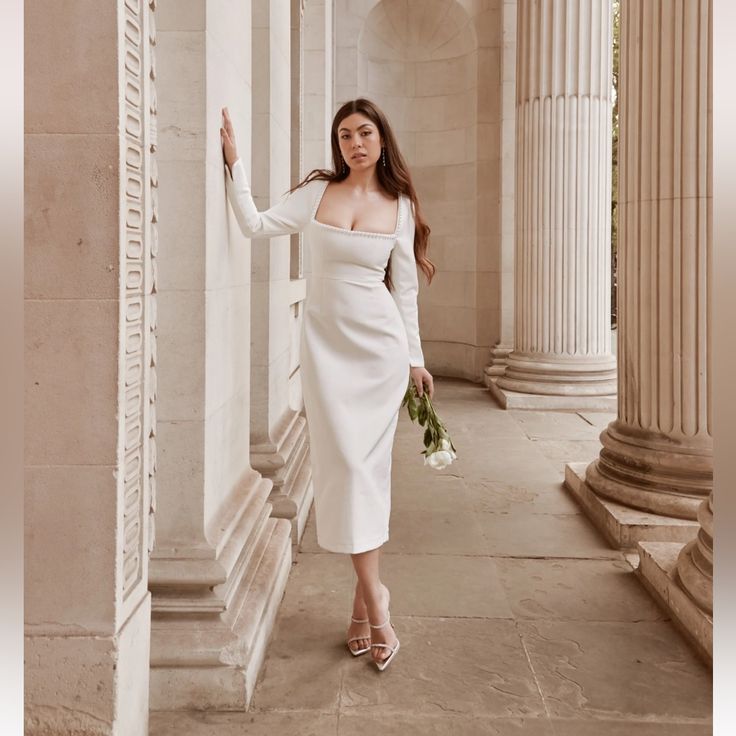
(516, 400)
(657, 571)
(624, 527)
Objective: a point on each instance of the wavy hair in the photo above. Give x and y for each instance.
(394, 177)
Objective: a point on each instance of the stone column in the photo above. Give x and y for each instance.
(279, 440)
(220, 564)
(668, 215)
(681, 578)
(695, 561)
(657, 454)
(562, 344)
(90, 365)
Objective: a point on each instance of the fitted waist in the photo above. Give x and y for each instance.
(370, 279)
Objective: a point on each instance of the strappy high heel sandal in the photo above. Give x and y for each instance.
(358, 652)
(382, 664)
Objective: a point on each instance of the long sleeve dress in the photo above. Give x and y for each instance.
(357, 343)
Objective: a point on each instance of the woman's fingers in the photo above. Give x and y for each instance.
(227, 123)
(427, 378)
(430, 386)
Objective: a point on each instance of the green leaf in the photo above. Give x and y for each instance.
(412, 411)
(427, 437)
(422, 414)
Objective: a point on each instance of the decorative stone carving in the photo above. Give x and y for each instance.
(138, 316)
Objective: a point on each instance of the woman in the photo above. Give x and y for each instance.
(364, 236)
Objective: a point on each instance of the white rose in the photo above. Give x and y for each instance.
(445, 445)
(438, 460)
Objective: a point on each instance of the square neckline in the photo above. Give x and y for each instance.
(347, 230)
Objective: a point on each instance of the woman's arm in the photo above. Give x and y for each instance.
(290, 215)
(406, 285)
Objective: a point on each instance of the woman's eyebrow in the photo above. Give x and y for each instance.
(348, 129)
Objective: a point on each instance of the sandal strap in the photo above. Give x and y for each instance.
(359, 620)
(384, 646)
(380, 626)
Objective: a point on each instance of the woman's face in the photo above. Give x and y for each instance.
(360, 142)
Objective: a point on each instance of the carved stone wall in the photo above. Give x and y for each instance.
(90, 361)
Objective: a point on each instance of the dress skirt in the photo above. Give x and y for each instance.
(354, 371)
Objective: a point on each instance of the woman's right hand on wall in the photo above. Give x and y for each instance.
(227, 136)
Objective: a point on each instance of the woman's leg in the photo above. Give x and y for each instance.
(360, 612)
(374, 599)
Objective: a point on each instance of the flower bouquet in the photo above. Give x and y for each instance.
(438, 451)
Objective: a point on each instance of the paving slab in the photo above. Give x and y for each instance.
(370, 724)
(629, 727)
(576, 590)
(534, 498)
(555, 425)
(446, 585)
(448, 665)
(616, 670)
(435, 532)
(519, 534)
(301, 723)
(569, 451)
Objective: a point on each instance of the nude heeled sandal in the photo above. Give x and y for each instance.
(358, 652)
(382, 664)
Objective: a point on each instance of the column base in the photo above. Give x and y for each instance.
(285, 462)
(652, 472)
(658, 572)
(623, 526)
(499, 361)
(215, 604)
(557, 375)
(508, 399)
(202, 660)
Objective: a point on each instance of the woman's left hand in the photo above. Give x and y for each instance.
(422, 377)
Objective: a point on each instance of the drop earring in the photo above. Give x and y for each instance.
(344, 166)
(383, 156)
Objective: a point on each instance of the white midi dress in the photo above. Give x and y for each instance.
(357, 343)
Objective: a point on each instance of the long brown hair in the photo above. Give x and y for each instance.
(394, 177)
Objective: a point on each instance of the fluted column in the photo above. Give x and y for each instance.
(563, 198)
(657, 454)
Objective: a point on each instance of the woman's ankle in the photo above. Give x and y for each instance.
(376, 602)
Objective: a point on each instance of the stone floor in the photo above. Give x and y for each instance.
(514, 615)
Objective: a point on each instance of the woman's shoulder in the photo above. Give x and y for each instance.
(306, 191)
(407, 205)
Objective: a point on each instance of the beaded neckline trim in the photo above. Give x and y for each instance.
(399, 218)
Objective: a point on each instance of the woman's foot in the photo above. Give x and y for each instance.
(359, 631)
(382, 634)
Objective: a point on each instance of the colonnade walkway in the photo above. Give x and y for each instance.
(514, 614)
